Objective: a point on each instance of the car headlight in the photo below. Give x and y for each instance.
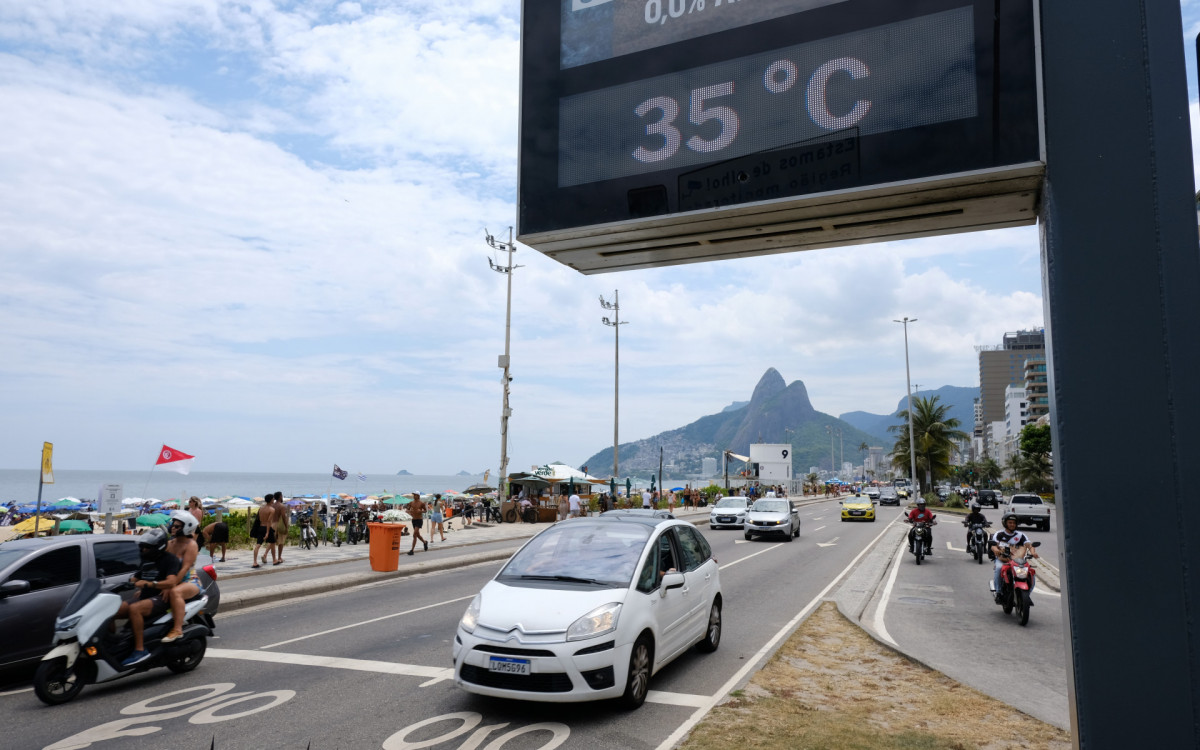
(599, 621)
(471, 616)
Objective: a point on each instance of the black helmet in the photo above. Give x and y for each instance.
(153, 543)
(1010, 517)
(975, 506)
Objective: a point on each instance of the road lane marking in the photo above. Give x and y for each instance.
(830, 543)
(877, 621)
(952, 548)
(676, 699)
(334, 662)
(434, 674)
(16, 692)
(1035, 590)
(747, 557)
(368, 622)
(715, 698)
(818, 528)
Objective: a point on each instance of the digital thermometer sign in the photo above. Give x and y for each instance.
(656, 132)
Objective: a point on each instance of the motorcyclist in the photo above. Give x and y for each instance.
(182, 545)
(921, 514)
(153, 590)
(1018, 544)
(974, 517)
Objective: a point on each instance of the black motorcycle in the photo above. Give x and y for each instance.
(977, 540)
(919, 540)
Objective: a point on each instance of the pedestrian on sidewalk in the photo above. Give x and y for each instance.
(281, 525)
(417, 509)
(437, 518)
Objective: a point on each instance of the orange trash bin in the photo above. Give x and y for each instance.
(385, 546)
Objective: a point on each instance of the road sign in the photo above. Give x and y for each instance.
(657, 132)
(110, 499)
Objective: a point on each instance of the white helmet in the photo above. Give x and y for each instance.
(187, 519)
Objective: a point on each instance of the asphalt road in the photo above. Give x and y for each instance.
(941, 613)
(370, 667)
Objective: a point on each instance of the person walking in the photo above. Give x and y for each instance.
(261, 530)
(437, 518)
(216, 534)
(281, 525)
(417, 509)
(573, 505)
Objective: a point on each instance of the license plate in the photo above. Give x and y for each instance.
(508, 666)
(858, 512)
(724, 519)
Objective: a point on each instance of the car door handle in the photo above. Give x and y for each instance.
(708, 578)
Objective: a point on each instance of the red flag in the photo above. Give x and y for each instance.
(174, 460)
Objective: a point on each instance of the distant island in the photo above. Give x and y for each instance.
(404, 473)
(464, 473)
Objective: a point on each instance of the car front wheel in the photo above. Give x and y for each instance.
(637, 685)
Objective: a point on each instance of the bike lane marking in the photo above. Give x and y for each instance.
(368, 622)
(877, 622)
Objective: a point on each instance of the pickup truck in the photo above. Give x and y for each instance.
(1031, 510)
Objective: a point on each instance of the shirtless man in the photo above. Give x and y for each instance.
(263, 532)
(281, 527)
(416, 509)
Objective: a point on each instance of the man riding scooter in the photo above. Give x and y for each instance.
(153, 594)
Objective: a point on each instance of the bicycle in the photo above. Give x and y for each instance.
(308, 535)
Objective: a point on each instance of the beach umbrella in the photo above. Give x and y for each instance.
(392, 500)
(26, 526)
(612, 486)
(676, 489)
(153, 519)
(68, 527)
(628, 487)
(571, 485)
(66, 502)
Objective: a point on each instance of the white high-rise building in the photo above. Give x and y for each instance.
(709, 468)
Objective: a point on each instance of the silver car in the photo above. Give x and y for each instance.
(729, 511)
(773, 515)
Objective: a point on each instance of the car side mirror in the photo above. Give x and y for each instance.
(1037, 544)
(8, 588)
(671, 581)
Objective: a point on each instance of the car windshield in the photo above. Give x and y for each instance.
(771, 506)
(732, 502)
(590, 553)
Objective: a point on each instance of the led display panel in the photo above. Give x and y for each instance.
(656, 132)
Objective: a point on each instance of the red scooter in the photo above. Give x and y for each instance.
(1017, 578)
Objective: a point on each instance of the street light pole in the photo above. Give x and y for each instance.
(912, 450)
(506, 378)
(616, 324)
(832, 455)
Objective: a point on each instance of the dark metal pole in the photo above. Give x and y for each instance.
(1120, 270)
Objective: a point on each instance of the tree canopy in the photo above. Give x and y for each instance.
(934, 435)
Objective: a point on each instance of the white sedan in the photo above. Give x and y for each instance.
(590, 609)
(729, 511)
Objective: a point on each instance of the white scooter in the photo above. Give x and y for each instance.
(86, 649)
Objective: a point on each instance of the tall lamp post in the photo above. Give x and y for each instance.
(506, 378)
(616, 324)
(912, 449)
(832, 455)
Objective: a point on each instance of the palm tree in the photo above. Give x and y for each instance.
(864, 448)
(934, 434)
(990, 471)
(1033, 471)
(811, 480)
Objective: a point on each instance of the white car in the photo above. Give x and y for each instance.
(590, 609)
(729, 511)
(773, 515)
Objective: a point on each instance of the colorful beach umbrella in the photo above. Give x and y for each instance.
(153, 520)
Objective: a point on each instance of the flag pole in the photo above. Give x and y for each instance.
(37, 519)
(147, 487)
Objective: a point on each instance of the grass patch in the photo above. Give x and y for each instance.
(832, 686)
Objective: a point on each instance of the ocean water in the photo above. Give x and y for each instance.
(21, 485)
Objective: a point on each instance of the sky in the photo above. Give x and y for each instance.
(255, 231)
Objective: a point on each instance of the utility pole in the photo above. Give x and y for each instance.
(832, 455)
(616, 324)
(506, 378)
(912, 449)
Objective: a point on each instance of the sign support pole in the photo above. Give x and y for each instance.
(1120, 266)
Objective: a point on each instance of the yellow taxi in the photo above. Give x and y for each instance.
(858, 508)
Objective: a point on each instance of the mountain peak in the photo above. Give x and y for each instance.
(770, 384)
